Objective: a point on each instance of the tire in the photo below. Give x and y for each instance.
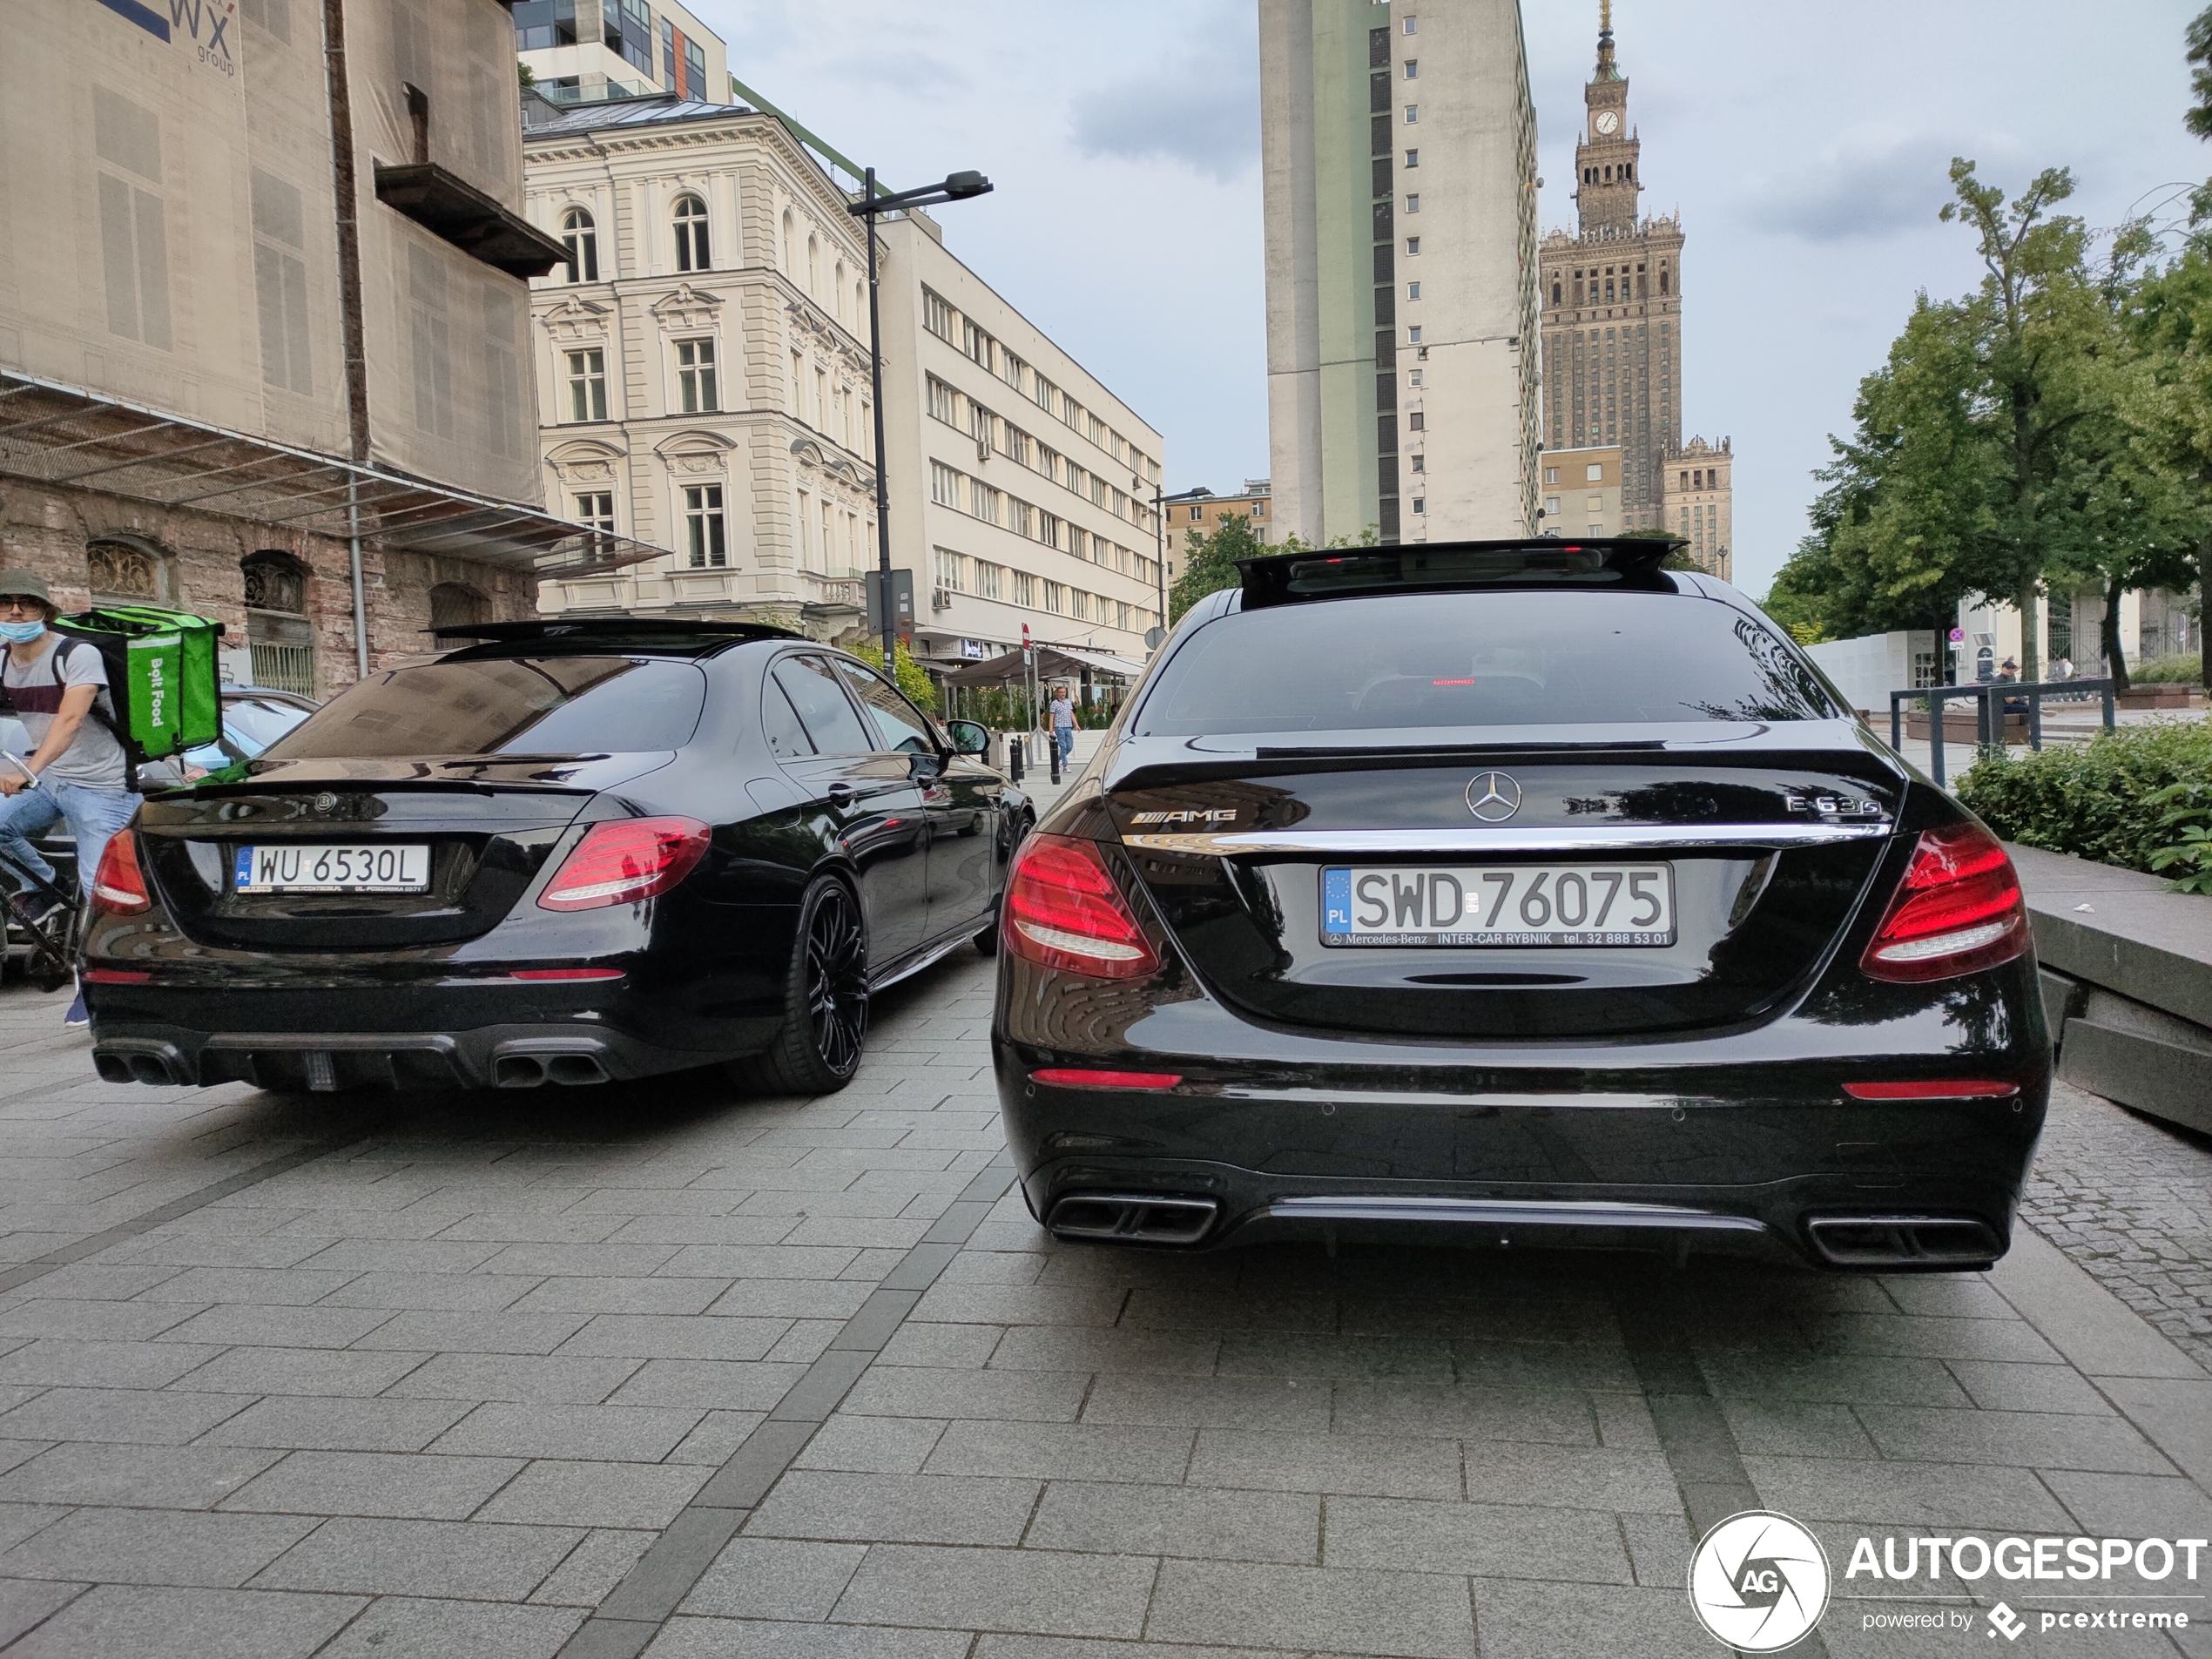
(826, 1001)
(987, 942)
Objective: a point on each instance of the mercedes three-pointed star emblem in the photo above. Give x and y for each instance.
(1494, 797)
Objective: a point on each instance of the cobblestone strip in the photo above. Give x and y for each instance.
(93, 1244)
(1699, 1447)
(634, 1611)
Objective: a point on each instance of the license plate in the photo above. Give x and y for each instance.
(386, 869)
(1495, 906)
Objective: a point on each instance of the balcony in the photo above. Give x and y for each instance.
(455, 209)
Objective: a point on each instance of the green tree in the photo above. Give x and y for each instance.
(920, 690)
(1210, 563)
(2168, 405)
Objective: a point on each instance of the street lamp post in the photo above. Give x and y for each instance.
(958, 187)
(1160, 504)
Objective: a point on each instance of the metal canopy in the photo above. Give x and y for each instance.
(53, 434)
(1053, 662)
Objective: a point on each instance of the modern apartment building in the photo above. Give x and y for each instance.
(1700, 502)
(1612, 300)
(1202, 510)
(1582, 491)
(703, 355)
(587, 51)
(264, 325)
(1398, 158)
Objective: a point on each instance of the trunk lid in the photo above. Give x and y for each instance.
(1771, 835)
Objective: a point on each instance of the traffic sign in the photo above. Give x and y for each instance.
(1958, 635)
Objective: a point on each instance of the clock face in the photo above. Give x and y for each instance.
(1609, 122)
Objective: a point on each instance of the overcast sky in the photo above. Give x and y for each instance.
(1805, 146)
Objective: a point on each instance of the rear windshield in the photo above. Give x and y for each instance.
(549, 706)
(1478, 660)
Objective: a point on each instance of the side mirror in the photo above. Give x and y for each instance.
(968, 738)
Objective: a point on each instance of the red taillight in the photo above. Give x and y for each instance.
(626, 860)
(565, 973)
(120, 887)
(1073, 1077)
(1935, 1089)
(115, 976)
(1957, 911)
(1064, 910)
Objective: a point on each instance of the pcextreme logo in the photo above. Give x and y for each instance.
(1758, 1581)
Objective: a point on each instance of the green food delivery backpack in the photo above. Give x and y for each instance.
(161, 674)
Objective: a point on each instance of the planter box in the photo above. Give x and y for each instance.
(1964, 725)
(2174, 695)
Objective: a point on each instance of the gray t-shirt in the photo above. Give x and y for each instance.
(94, 760)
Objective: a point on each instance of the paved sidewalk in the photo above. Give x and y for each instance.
(659, 1369)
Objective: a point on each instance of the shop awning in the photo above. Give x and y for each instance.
(53, 434)
(1053, 662)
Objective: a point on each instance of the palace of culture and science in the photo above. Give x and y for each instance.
(1611, 295)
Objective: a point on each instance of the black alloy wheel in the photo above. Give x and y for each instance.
(826, 996)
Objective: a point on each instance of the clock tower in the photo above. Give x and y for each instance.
(1606, 155)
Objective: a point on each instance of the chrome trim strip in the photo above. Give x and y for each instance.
(1512, 1212)
(1506, 839)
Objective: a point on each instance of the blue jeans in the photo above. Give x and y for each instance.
(1065, 737)
(92, 816)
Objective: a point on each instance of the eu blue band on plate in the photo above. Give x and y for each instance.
(242, 871)
(1336, 901)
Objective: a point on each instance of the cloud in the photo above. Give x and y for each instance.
(1196, 103)
(1871, 185)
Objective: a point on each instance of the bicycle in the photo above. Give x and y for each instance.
(45, 920)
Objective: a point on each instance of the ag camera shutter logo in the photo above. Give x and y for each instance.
(1758, 1581)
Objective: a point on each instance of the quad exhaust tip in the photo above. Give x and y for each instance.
(530, 1070)
(1133, 1217)
(1904, 1241)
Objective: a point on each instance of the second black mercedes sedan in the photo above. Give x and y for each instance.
(568, 853)
(1514, 892)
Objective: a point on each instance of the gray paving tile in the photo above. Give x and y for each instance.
(406, 1627)
(2134, 1505)
(476, 1561)
(899, 1508)
(708, 1384)
(758, 1261)
(995, 1589)
(1796, 1428)
(591, 1571)
(872, 1445)
(546, 1260)
(771, 1578)
(658, 1337)
(152, 1416)
(1126, 1520)
(166, 1477)
(19, 1520)
(630, 1433)
(266, 1287)
(61, 1362)
(1288, 1406)
(1578, 1477)
(1936, 1338)
(25, 1602)
(155, 1546)
(468, 1292)
(1028, 1305)
(125, 1622)
(1659, 1548)
(1063, 1451)
(329, 1423)
(950, 1346)
(1062, 1347)
(662, 1296)
(1936, 1494)
(715, 1437)
(1996, 1385)
(1560, 1417)
(1312, 1607)
(403, 1255)
(1499, 1540)
(700, 1638)
(506, 1332)
(787, 1299)
(1385, 1467)
(635, 1495)
(1870, 1379)
(920, 1391)
(278, 1326)
(2018, 1438)
(406, 1486)
(298, 1371)
(1290, 1353)
(1521, 1620)
(540, 1379)
(92, 1318)
(1541, 1364)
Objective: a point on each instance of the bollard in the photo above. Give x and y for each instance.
(1017, 751)
(1052, 742)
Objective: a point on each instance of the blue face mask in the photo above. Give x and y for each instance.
(21, 633)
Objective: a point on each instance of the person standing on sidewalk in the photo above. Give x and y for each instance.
(76, 773)
(1063, 723)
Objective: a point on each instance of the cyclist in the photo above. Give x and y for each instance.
(76, 772)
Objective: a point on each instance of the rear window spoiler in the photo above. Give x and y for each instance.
(1628, 563)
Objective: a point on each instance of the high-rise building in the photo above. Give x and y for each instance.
(587, 51)
(1612, 304)
(1398, 156)
(1700, 502)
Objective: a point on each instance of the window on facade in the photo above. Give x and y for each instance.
(976, 344)
(1412, 69)
(1079, 604)
(703, 529)
(695, 389)
(987, 576)
(1042, 392)
(281, 282)
(1412, 245)
(596, 507)
(944, 402)
(1021, 517)
(1055, 599)
(1413, 290)
(983, 501)
(944, 484)
(1413, 377)
(691, 251)
(582, 239)
(1413, 203)
(936, 316)
(1412, 157)
(1410, 22)
(1412, 113)
(1416, 423)
(134, 246)
(949, 570)
(587, 385)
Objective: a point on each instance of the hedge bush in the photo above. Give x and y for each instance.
(2187, 669)
(2089, 799)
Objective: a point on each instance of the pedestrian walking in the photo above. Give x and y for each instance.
(76, 773)
(1063, 723)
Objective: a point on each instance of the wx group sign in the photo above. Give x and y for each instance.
(205, 25)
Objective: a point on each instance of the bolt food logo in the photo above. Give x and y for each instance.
(206, 22)
(1758, 1581)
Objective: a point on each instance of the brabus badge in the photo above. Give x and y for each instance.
(1494, 797)
(325, 802)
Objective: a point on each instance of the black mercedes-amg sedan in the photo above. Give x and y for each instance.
(1522, 891)
(568, 853)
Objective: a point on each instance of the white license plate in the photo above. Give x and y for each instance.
(384, 868)
(1503, 905)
